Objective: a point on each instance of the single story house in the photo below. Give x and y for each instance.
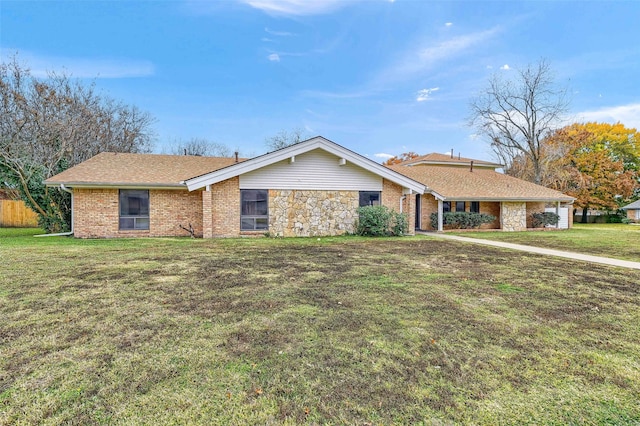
(467, 185)
(313, 188)
(633, 211)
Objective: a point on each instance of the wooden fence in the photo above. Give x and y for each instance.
(15, 214)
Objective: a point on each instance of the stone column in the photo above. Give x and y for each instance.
(513, 216)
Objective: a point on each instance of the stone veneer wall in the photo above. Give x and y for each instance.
(513, 216)
(307, 213)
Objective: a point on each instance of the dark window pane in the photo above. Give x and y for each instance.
(126, 223)
(142, 223)
(254, 209)
(475, 207)
(369, 198)
(134, 209)
(460, 206)
(446, 206)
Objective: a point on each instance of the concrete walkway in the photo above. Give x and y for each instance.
(539, 250)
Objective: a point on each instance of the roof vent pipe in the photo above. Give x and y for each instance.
(451, 152)
(471, 170)
(236, 154)
(458, 156)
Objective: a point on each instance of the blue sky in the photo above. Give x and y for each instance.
(378, 76)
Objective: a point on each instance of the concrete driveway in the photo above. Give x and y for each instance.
(539, 250)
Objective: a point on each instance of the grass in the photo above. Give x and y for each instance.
(618, 241)
(307, 331)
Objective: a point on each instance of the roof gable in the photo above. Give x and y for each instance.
(289, 152)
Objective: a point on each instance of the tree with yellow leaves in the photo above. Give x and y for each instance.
(597, 163)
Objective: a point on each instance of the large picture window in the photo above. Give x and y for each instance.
(369, 198)
(134, 209)
(254, 209)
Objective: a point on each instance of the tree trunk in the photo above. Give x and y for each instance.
(585, 209)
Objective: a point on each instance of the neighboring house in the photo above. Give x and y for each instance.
(462, 184)
(313, 188)
(633, 211)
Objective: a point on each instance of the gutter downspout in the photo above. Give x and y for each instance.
(61, 234)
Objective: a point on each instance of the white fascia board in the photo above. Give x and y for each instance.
(298, 149)
(438, 196)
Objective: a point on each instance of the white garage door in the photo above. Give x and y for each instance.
(564, 216)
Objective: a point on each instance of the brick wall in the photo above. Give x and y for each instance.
(226, 208)
(391, 194)
(531, 209)
(96, 213)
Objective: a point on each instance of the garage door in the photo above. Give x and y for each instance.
(564, 216)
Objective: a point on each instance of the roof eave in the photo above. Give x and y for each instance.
(507, 199)
(137, 185)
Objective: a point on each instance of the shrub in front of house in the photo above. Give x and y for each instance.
(461, 220)
(542, 219)
(378, 221)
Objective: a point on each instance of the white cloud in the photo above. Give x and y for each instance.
(421, 58)
(279, 33)
(629, 115)
(383, 155)
(505, 67)
(274, 57)
(296, 7)
(448, 24)
(425, 94)
(82, 67)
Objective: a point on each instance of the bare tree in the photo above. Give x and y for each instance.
(202, 147)
(517, 115)
(286, 138)
(48, 125)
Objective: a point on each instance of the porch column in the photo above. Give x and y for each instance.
(207, 216)
(440, 215)
(558, 213)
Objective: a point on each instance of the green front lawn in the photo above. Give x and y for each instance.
(308, 331)
(614, 240)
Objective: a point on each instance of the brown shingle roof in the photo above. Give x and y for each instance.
(109, 168)
(435, 158)
(457, 183)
